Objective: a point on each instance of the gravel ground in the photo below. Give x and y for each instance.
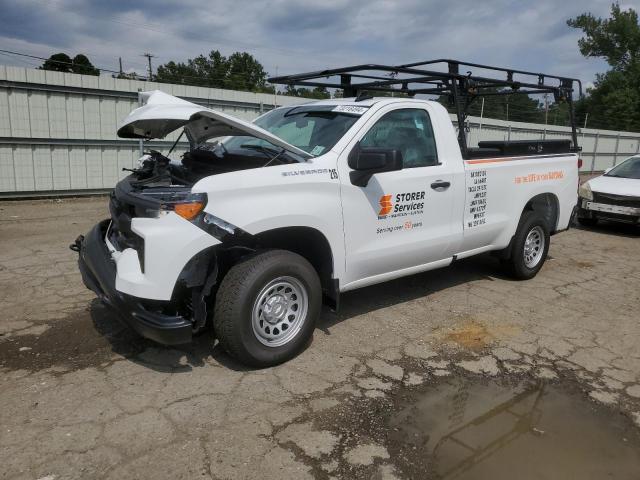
(83, 397)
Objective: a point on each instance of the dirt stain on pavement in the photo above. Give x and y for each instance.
(471, 335)
(474, 335)
(83, 339)
(581, 263)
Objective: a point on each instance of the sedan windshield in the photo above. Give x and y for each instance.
(312, 129)
(630, 168)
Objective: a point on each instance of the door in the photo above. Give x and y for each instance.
(403, 218)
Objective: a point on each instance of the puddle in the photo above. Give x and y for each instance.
(479, 429)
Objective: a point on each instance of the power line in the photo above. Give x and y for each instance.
(200, 80)
(50, 60)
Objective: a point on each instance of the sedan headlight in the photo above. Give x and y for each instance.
(584, 191)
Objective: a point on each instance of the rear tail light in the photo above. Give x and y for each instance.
(579, 163)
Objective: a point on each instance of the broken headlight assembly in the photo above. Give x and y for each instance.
(584, 191)
(183, 202)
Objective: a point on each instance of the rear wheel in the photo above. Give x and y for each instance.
(529, 247)
(267, 307)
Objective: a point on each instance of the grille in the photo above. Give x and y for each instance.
(620, 200)
(120, 233)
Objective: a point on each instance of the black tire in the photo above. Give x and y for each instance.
(587, 222)
(238, 295)
(516, 263)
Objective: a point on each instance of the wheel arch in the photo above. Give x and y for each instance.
(311, 244)
(548, 205)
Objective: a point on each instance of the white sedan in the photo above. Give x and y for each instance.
(614, 196)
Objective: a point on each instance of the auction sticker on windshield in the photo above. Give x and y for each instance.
(353, 109)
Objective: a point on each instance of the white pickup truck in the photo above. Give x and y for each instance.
(252, 233)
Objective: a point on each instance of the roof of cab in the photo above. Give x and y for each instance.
(367, 102)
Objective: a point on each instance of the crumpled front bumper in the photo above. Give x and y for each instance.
(606, 211)
(99, 275)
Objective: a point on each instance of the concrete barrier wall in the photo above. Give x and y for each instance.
(58, 130)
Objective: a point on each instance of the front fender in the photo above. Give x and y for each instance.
(296, 195)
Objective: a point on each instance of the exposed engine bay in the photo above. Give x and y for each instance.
(158, 170)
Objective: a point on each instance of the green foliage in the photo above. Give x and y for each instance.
(61, 62)
(82, 65)
(515, 107)
(614, 101)
(317, 93)
(616, 39)
(239, 71)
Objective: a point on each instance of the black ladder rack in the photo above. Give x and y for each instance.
(463, 88)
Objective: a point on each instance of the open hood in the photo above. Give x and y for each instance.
(163, 113)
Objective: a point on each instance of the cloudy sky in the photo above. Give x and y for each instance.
(301, 35)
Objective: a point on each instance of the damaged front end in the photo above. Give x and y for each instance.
(151, 319)
(156, 261)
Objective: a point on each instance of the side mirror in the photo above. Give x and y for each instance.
(367, 161)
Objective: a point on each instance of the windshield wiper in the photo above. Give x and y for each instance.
(261, 148)
(267, 151)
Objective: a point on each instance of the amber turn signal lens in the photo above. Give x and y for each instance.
(188, 210)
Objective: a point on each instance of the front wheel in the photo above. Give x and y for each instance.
(267, 307)
(529, 247)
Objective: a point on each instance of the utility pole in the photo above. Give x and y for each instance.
(507, 99)
(585, 126)
(275, 91)
(481, 117)
(546, 108)
(120, 63)
(149, 57)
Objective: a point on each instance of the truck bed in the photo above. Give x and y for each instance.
(513, 148)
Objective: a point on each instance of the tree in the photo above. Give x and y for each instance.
(616, 39)
(240, 71)
(58, 62)
(614, 101)
(82, 65)
(318, 93)
(245, 73)
(516, 107)
(61, 62)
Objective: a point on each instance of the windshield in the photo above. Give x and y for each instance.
(312, 129)
(630, 168)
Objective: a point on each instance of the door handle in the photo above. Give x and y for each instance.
(440, 186)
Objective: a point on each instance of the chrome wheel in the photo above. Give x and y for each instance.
(279, 311)
(534, 247)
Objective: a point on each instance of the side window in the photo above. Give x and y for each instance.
(408, 130)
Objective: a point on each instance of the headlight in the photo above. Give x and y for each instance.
(584, 191)
(186, 204)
